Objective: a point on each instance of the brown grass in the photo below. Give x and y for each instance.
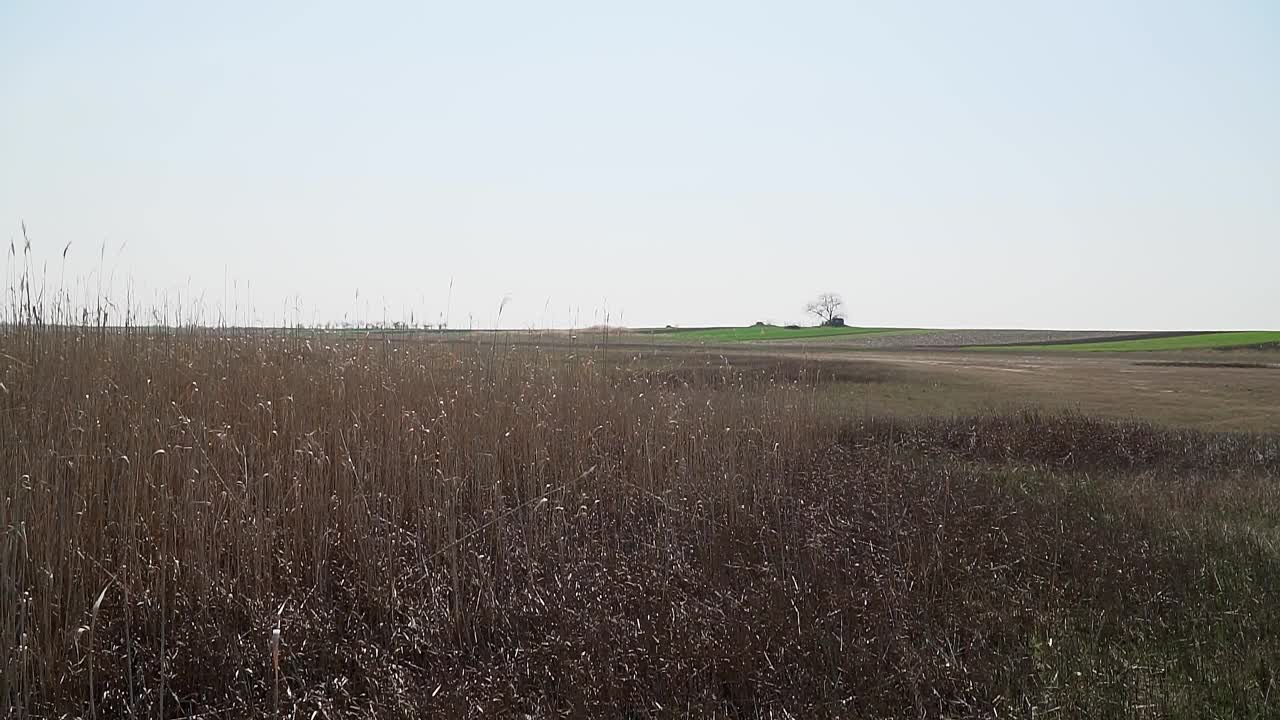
(301, 525)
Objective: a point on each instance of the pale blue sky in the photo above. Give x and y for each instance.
(998, 164)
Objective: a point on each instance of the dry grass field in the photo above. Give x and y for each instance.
(229, 524)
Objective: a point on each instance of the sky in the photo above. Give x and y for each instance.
(1092, 165)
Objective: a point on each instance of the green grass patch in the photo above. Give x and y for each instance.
(764, 332)
(1191, 341)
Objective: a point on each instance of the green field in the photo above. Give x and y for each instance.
(764, 332)
(1198, 341)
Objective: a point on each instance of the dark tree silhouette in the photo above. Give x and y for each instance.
(828, 308)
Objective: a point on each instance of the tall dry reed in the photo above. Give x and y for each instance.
(151, 477)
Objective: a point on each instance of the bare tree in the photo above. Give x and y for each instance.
(828, 308)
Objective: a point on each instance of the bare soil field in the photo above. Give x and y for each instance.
(963, 338)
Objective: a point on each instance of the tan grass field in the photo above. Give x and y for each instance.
(205, 523)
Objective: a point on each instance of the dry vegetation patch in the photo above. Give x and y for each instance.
(273, 525)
